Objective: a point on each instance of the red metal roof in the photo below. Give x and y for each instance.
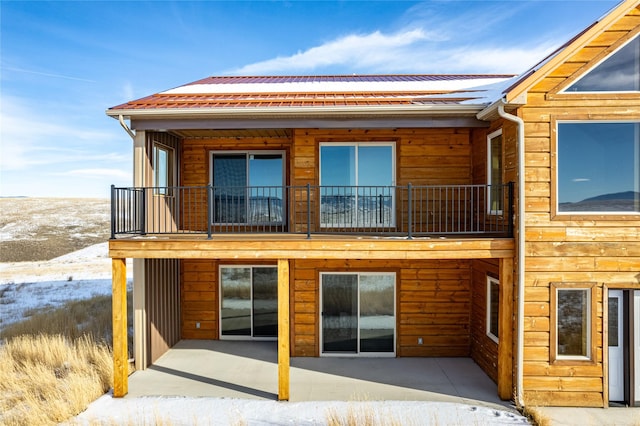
(189, 96)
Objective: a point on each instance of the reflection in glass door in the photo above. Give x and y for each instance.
(248, 302)
(358, 313)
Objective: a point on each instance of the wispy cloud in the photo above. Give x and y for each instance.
(33, 138)
(47, 74)
(426, 42)
(580, 180)
(358, 50)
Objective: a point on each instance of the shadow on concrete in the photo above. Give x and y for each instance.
(248, 369)
(213, 382)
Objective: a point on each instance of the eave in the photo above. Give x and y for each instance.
(420, 115)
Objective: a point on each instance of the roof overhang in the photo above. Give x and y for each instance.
(415, 115)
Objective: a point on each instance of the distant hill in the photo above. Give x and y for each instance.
(616, 202)
(627, 195)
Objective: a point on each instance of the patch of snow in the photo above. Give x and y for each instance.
(337, 86)
(25, 286)
(226, 411)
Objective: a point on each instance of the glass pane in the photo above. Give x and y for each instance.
(265, 179)
(265, 302)
(375, 176)
(573, 314)
(494, 307)
(375, 165)
(339, 313)
(229, 181)
(598, 167)
(377, 313)
(613, 321)
(338, 165)
(162, 167)
(618, 73)
(236, 301)
(496, 174)
(337, 177)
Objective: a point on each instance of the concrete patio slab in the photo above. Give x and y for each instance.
(235, 369)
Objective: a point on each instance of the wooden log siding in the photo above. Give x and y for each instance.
(199, 302)
(601, 249)
(433, 300)
(440, 156)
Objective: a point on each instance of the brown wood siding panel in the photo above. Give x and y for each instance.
(162, 305)
(597, 248)
(432, 299)
(484, 351)
(199, 287)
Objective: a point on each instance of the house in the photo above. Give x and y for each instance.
(485, 216)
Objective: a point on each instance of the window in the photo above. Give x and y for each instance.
(248, 187)
(358, 313)
(163, 174)
(357, 182)
(572, 312)
(619, 72)
(598, 167)
(493, 308)
(248, 301)
(494, 172)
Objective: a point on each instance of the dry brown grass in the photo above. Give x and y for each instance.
(360, 415)
(74, 319)
(48, 379)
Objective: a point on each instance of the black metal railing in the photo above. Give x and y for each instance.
(409, 211)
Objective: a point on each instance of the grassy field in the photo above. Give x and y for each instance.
(34, 229)
(56, 361)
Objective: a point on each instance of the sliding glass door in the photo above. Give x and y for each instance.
(358, 313)
(248, 302)
(248, 187)
(356, 182)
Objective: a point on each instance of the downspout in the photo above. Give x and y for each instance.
(520, 339)
(125, 127)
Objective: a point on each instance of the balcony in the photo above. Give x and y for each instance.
(386, 211)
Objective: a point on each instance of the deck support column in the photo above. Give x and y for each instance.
(119, 317)
(505, 330)
(283, 330)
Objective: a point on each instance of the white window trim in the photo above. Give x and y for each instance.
(232, 337)
(358, 353)
(588, 356)
(557, 170)
(599, 92)
(393, 180)
(171, 166)
(490, 137)
(490, 282)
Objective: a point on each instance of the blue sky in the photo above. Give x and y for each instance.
(62, 64)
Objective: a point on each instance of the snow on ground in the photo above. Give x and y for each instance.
(87, 272)
(228, 411)
(25, 286)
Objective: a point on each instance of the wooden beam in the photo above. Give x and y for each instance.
(119, 316)
(283, 330)
(256, 247)
(505, 330)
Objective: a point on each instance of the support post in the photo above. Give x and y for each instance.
(119, 316)
(505, 330)
(283, 330)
